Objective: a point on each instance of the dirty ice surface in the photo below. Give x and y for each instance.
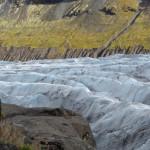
(112, 93)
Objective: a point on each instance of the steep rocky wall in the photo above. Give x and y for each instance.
(27, 53)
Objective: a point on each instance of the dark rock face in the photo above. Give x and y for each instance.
(108, 11)
(144, 3)
(49, 1)
(54, 129)
(40, 1)
(59, 9)
(7, 147)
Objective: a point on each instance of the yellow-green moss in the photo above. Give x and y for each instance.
(25, 147)
(36, 33)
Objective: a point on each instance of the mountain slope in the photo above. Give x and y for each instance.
(72, 23)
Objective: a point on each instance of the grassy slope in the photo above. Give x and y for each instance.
(139, 34)
(36, 33)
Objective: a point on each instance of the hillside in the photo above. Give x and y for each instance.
(70, 24)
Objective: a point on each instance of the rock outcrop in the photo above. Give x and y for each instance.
(43, 128)
(7, 146)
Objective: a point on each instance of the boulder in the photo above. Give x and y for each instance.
(43, 128)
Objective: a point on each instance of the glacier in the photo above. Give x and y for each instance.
(112, 93)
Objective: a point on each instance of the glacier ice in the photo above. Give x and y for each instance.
(112, 93)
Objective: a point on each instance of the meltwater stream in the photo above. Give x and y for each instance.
(112, 93)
